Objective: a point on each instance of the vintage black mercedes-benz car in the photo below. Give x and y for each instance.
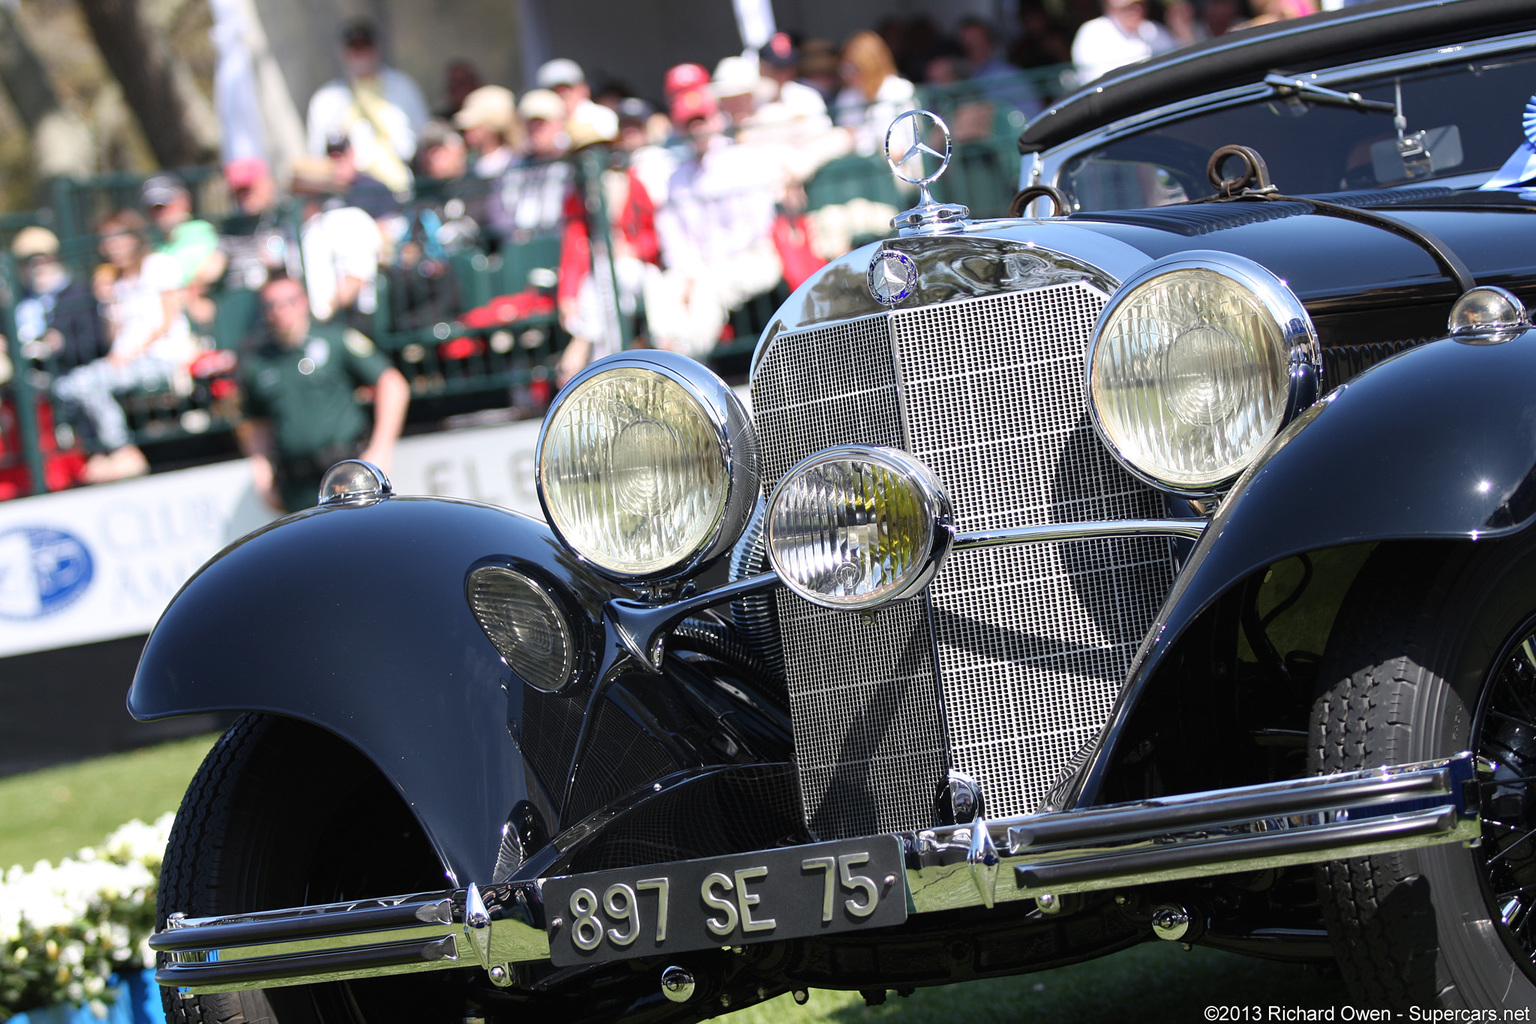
(1158, 566)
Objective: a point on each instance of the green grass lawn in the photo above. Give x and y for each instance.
(52, 813)
(49, 814)
(1153, 983)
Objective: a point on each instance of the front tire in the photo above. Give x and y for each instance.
(282, 814)
(1433, 653)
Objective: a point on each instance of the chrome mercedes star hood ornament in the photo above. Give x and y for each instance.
(907, 144)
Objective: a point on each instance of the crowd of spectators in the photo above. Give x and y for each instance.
(669, 214)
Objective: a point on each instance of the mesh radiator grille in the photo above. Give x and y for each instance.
(1012, 661)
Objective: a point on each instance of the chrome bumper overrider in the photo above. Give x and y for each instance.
(979, 864)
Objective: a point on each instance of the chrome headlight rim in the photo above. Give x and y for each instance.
(737, 444)
(1298, 338)
(934, 499)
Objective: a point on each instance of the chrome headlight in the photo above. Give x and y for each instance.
(1196, 364)
(857, 527)
(648, 465)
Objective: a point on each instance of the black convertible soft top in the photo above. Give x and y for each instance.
(1354, 33)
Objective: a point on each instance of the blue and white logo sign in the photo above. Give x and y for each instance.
(892, 276)
(42, 571)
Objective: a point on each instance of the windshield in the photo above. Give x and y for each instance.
(1469, 115)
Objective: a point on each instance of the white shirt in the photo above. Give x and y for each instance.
(332, 112)
(137, 310)
(717, 207)
(1101, 45)
(344, 242)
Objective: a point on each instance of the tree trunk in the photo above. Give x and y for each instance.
(61, 142)
(147, 70)
(22, 74)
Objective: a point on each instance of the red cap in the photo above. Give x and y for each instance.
(693, 103)
(685, 77)
(245, 171)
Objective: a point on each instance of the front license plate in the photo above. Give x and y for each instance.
(725, 901)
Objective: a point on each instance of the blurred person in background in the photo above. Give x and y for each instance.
(256, 242)
(529, 197)
(1041, 42)
(1122, 35)
(151, 343)
(946, 64)
(1267, 11)
(611, 93)
(736, 85)
(355, 185)
(587, 296)
(641, 143)
(191, 242)
(489, 122)
(379, 109)
(457, 200)
(56, 313)
(1218, 17)
(792, 119)
(443, 154)
(341, 247)
(683, 78)
(778, 61)
(715, 232)
(1001, 83)
(873, 93)
(301, 412)
(564, 77)
(819, 63)
(459, 80)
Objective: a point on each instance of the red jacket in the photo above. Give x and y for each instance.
(634, 222)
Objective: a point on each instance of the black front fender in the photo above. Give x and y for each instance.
(1438, 442)
(355, 619)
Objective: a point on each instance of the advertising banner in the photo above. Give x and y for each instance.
(98, 563)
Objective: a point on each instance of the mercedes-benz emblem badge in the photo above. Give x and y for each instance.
(907, 132)
(892, 276)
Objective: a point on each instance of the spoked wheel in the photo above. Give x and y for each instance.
(1433, 653)
(1504, 739)
(282, 814)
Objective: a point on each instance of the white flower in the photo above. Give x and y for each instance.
(63, 905)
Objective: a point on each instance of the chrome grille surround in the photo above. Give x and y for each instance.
(1010, 661)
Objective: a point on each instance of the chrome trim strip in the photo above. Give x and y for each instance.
(1251, 828)
(489, 926)
(1192, 528)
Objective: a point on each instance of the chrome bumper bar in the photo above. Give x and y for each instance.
(979, 864)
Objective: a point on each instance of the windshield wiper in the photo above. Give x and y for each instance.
(1287, 88)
